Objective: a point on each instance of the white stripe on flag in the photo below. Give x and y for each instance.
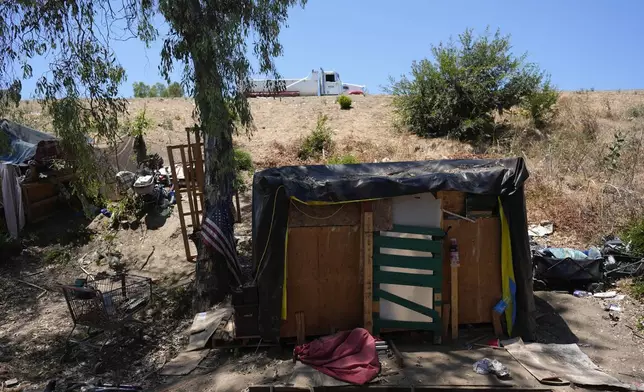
(210, 241)
(224, 239)
(206, 235)
(214, 238)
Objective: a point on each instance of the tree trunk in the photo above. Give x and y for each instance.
(212, 276)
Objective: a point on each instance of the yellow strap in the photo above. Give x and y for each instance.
(328, 203)
(507, 271)
(284, 293)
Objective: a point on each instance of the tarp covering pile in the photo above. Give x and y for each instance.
(26, 144)
(348, 356)
(273, 189)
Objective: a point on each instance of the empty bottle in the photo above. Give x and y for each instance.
(453, 253)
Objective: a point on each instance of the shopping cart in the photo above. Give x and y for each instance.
(106, 303)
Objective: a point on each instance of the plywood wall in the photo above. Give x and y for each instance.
(323, 281)
(479, 276)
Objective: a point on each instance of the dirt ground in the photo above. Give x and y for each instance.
(562, 318)
(34, 322)
(33, 332)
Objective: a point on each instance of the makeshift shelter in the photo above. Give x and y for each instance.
(333, 246)
(26, 199)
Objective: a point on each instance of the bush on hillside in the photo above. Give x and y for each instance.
(634, 234)
(459, 89)
(318, 142)
(342, 160)
(243, 160)
(344, 101)
(635, 111)
(139, 125)
(540, 104)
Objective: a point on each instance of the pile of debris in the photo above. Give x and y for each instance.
(589, 269)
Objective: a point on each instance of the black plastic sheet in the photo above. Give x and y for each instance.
(274, 187)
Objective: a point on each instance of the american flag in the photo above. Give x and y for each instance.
(217, 234)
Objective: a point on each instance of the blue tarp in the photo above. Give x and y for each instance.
(23, 142)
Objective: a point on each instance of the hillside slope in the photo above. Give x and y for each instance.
(365, 131)
(586, 170)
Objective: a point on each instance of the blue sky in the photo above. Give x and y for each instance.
(583, 44)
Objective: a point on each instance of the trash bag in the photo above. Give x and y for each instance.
(567, 273)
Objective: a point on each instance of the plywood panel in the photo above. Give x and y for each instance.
(453, 201)
(302, 215)
(489, 266)
(323, 279)
(479, 276)
(340, 300)
(302, 278)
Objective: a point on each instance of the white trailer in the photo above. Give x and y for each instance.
(316, 83)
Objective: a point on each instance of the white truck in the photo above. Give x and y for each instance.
(317, 83)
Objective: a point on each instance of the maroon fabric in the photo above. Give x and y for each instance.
(348, 356)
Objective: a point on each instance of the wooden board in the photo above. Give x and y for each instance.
(479, 276)
(323, 281)
(367, 294)
(454, 302)
(452, 201)
(204, 326)
(302, 215)
(382, 214)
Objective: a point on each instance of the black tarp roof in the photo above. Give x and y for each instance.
(274, 187)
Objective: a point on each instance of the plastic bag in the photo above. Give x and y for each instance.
(489, 366)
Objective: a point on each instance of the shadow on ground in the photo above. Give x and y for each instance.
(551, 326)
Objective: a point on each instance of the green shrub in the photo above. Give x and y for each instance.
(634, 234)
(243, 160)
(243, 165)
(317, 142)
(540, 104)
(167, 124)
(342, 160)
(140, 124)
(459, 89)
(344, 101)
(57, 255)
(636, 111)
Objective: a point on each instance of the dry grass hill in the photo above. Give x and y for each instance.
(585, 169)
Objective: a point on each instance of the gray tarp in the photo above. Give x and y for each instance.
(23, 141)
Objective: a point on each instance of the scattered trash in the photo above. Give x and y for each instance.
(613, 316)
(11, 383)
(607, 294)
(541, 230)
(488, 366)
(619, 261)
(494, 342)
(581, 293)
(593, 253)
(619, 297)
(613, 308)
(107, 213)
